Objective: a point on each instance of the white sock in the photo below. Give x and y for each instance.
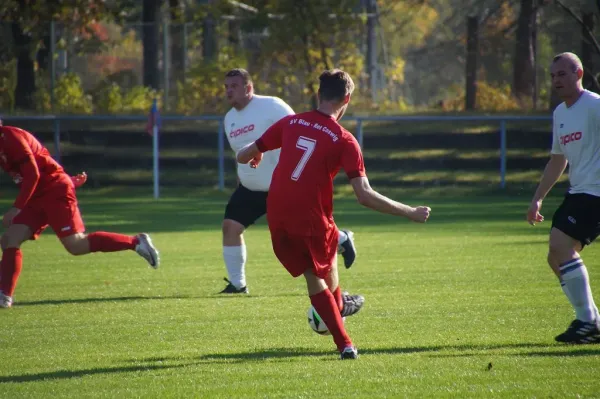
(576, 282)
(342, 237)
(235, 261)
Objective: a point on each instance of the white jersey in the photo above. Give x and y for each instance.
(576, 135)
(246, 126)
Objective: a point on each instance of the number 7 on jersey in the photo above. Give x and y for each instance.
(308, 146)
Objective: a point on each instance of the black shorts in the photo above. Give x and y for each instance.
(246, 206)
(579, 217)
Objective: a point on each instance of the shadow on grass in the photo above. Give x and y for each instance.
(218, 296)
(91, 300)
(287, 353)
(67, 374)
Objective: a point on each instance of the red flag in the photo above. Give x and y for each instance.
(153, 118)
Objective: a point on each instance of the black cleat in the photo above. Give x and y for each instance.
(352, 304)
(349, 352)
(580, 332)
(348, 250)
(232, 289)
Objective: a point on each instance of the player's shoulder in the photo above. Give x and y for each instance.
(591, 96)
(347, 135)
(267, 99)
(559, 109)
(12, 131)
(270, 102)
(231, 113)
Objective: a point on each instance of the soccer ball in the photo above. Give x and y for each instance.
(316, 323)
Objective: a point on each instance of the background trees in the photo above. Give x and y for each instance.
(404, 54)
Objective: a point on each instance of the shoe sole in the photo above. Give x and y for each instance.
(146, 241)
(350, 242)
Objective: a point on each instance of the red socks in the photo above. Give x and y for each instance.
(102, 241)
(337, 294)
(327, 308)
(10, 269)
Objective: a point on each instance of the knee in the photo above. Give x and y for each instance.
(231, 228)
(558, 253)
(76, 245)
(9, 240)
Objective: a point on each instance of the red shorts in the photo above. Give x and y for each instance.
(298, 253)
(56, 208)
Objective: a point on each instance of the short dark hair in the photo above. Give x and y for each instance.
(335, 85)
(240, 72)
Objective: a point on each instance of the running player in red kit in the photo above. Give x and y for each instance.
(314, 147)
(47, 198)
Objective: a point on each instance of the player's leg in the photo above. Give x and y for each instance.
(28, 224)
(325, 304)
(346, 247)
(347, 304)
(244, 208)
(12, 261)
(234, 256)
(333, 283)
(103, 241)
(296, 254)
(62, 212)
(566, 241)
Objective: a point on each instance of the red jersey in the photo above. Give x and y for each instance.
(29, 163)
(313, 149)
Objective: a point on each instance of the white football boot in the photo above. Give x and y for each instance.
(146, 250)
(5, 301)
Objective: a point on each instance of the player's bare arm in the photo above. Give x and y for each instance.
(250, 154)
(554, 169)
(372, 199)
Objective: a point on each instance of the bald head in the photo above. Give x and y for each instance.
(566, 72)
(569, 59)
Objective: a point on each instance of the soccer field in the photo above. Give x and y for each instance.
(464, 306)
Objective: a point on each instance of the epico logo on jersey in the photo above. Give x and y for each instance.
(242, 130)
(567, 138)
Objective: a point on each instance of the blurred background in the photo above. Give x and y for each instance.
(423, 57)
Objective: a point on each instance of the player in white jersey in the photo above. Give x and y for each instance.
(250, 116)
(576, 223)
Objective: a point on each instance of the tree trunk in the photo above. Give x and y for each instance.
(371, 63)
(43, 54)
(587, 53)
(25, 88)
(234, 34)
(151, 42)
(472, 57)
(177, 31)
(523, 72)
(209, 39)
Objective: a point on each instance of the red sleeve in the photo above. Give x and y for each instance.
(271, 139)
(19, 151)
(352, 158)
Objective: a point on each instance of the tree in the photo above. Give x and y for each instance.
(524, 61)
(177, 10)
(28, 33)
(590, 44)
(150, 42)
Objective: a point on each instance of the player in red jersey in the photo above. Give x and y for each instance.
(314, 147)
(47, 198)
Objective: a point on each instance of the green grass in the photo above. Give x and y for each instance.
(443, 301)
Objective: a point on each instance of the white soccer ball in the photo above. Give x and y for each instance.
(316, 323)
